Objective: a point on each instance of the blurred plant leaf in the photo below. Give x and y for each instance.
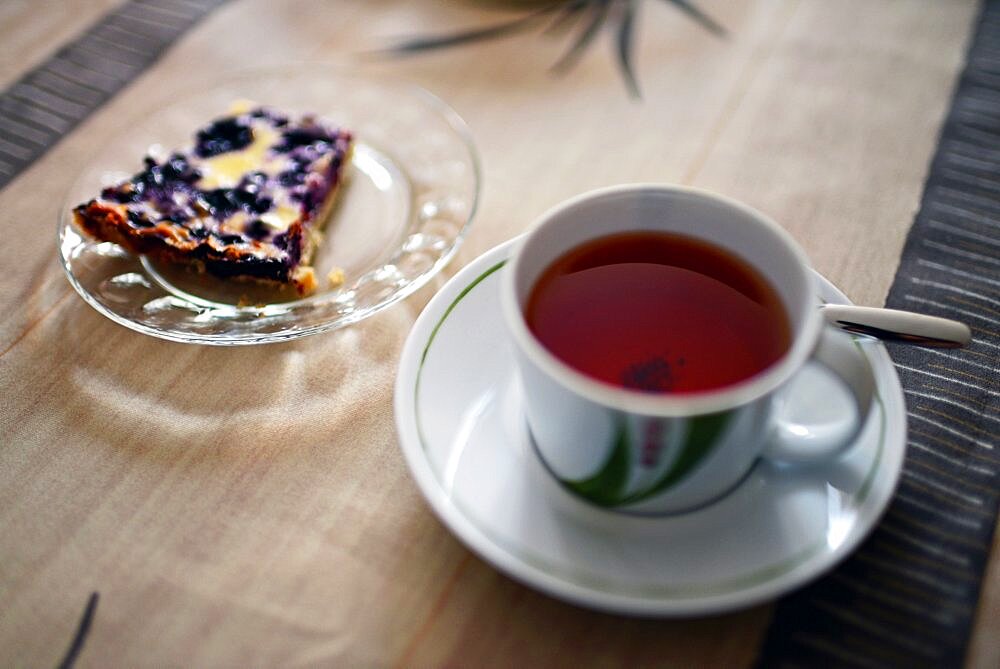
(625, 32)
(567, 15)
(564, 14)
(416, 44)
(706, 21)
(599, 12)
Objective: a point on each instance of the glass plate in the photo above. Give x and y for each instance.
(407, 201)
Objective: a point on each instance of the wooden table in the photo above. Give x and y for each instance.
(251, 506)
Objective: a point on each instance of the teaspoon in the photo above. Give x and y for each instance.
(899, 326)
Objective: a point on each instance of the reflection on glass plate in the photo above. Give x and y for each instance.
(409, 196)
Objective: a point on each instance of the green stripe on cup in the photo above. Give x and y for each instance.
(606, 487)
(703, 436)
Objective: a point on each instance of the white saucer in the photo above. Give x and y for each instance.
(462, 432)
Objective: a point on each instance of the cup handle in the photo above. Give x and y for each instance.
(795, 442)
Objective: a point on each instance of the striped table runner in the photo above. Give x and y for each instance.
(908, 597)
(48, 102)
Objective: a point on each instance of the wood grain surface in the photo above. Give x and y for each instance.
(251, 506)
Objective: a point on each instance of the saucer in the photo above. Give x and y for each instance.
(461, 428)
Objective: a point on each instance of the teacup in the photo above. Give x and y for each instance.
(633, 450)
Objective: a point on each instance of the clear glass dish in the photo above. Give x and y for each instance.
(408, 199)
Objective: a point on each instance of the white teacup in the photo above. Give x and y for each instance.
(596, 438)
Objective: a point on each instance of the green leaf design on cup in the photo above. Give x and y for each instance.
(702, 437)
(605, 488)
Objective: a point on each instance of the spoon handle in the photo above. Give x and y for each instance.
(901, 326)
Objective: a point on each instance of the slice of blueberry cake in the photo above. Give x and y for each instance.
(247, 201)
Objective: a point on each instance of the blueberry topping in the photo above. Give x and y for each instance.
(177, 168)
(257, 229)
(291, 178)
(314, 194)
(220, 201)
(277, 119)
(249, 199)
(122, 194)
(299, 137)
(293, 246)
(153, 176)
(230, 239)
(165, 199)
(228, 134)
(253, 180)
(138, 220)
(177, 216)
(262, 205)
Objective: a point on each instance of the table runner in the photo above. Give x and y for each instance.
(908, 596)
(46, 104)
(123, 83)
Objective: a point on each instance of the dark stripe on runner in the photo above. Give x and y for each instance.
(48, 102)
(908, 597)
